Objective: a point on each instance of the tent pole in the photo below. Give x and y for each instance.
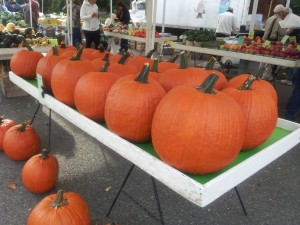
(288, 3)
(254, 10)
(164, 17)
(30, 12)
(270, 8)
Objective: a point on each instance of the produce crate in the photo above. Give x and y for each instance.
(132, 45)
(140, 46)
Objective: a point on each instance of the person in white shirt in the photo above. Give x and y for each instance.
(227, 24)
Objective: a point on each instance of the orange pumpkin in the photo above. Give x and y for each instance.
(5, 124)
(24, 62)
(21, 142)
(154, 73)
(65, 75)
(138, 61)
(60, 209)
(89, 53)
(40, 172)
(198, 130)
(116, 57)
(260, 111)
(91, 91)
(130, 105)
(99, 62)
(62, 49)
(100, 53)
(166, 65)
(121, 68)
(46, 65)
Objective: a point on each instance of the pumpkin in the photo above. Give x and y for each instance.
(260, 111)
(163, 66)
(89, 53)
(183, 75)
(130, 105)
(65, 75)
(45, 67)
(62, 48)
(5, 124)
(259, 84)
(60, 209)
(100, 53)
(138, 61)
(99, 62)
(40, 172)
(24, 62)
(91, 91)
(198, 130)
(121, 68)
(116, 58)
(21, 142)
(154, 73)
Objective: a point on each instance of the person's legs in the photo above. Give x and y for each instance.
(88, 38)
(96, 38)
(293, 104)
(290, 79)
(76, 36)
(124, 44)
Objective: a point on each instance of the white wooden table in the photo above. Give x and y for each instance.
(189, 187)
(113, 35)
(239, 55)
(7, 53)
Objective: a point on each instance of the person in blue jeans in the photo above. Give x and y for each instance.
(293, 104)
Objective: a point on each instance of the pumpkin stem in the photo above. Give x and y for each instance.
(247, 85)
(44, 154)
(124, 58)
(174, 58)
(183, 60)
(63, 44)
(211, 63)
(106, 57)
(155, 66)
(101, 48)
(77, 54)
(105, 67)
(55, 50)
(143, 76)
(25, 44)
(22, 126)
(260, 72)
(208, 84)
(59, 200)
(1, 119)
(150, 53)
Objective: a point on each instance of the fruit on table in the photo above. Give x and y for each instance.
(40, 172)
(198, 130)
(60, 209)
(142, 33)
(24, 62)
(21, 142)
(5, 124)
(130, 105)
(65, 75)
(10, 27)
(260, 112)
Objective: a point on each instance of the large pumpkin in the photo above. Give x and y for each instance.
(99, 62)
(40, 172)
(121, 68)
(65, 75)
(154, 73)
(5, 124)
(138, 61)
(163, 66)
(100, 53)
(24, 62)
(260, 111)
(62, 49)
(91, 91)
(60, 209)
(45, 67)
(130, 105)
(198, 130)
(21, 142)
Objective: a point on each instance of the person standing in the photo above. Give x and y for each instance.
(16, 7)
(227, 24)
(26, 13)
(293, 105)
(124, 16)
(7, 4)
(35, 6)
(76, 36)
(91, 23)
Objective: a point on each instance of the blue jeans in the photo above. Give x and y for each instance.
(293, 104)
(76, 36)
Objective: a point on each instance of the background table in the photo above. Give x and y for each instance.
(7, 53)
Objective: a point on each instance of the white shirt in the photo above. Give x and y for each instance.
(89, 23)
(227, 23)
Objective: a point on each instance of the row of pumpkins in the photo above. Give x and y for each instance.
(196, 129)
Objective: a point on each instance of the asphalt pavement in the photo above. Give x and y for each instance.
(271, 196)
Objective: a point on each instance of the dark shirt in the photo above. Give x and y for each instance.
(124, 16)
(76, 15)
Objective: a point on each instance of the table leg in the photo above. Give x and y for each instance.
(35, 113)
(241, 201)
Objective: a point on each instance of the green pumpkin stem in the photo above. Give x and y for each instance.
(1, 119)
(143, 76)
(247, 85)
(150, 53)
(260, 72)
(22, 126)
(105, 67)
(124, 58)
(173, 58)
(55, 50)
(59, 200)
(44, 154)
(155, 66)
(106, 57)
(211, 63)
(77, 54)
(26, 45)
(208, 84)
(183, 60)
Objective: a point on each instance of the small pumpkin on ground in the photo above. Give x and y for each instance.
(198, 130)
(21, 142)
(60, 209)
(5, 124)
(40, 172)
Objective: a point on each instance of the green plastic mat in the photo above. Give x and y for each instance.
(277, 134)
